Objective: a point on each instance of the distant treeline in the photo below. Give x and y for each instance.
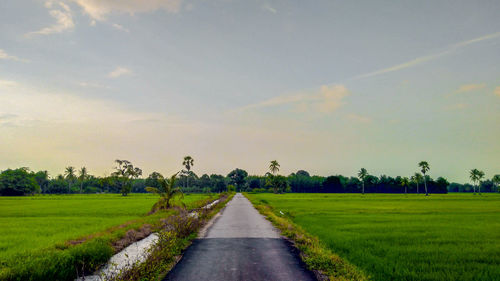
(22, 181)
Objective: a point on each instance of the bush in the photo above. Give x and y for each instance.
(18, 182)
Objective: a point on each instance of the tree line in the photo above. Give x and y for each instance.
(128, 178)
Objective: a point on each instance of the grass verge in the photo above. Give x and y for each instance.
(176, 234)
(319, 259)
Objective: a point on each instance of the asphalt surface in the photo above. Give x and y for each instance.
(240, 245)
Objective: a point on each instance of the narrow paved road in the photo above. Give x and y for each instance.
(240, 245)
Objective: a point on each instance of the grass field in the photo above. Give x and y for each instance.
(398, 237)
(29, 224)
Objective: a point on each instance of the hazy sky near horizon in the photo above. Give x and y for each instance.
(324, 86)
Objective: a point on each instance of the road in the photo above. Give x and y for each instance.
(240, 245)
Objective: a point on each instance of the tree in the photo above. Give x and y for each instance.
(404, 183)
(476, 176)
(153, 180)
(496, 181)
(417, 178)
(188, 162)
(123, 175)
(274, 167)
(167, 191)
(83, 176)
(18, 182)
(424, 168)
(332, 184)
(237, 177)
(278, 183)
(42, 178)
(69, 173)
(362, 175)
(302, 173)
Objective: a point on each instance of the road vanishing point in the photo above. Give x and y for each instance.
(240, 245)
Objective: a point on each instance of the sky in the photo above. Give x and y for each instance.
(324, 86)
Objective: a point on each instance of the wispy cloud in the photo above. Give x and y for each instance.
(7, 83)
(268, 8)
(5, 56)
(417, 61)
(470, 87)
(324, 100)
(119, 71)
(359, 118)
(92, 85)
(100, 9)
(456, 106)
(497, 91)
(120, 27)
(64, 19)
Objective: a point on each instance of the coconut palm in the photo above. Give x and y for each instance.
(83, 175)
(476, 176)
(417, 179)
(274, 167)
(404, 183)
(496, 181)
(167, 191)
(69, 173)
(362, 175)
(188, 162)
(424, 168)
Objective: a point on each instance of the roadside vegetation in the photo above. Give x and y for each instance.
(394, 236)
(56, 236)
(175, 234)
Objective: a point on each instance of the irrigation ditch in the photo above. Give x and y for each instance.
(151, 257)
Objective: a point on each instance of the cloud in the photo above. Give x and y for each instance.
(457, 106)
(120, 27)
(325, 100)
(420, 60)
(497, 91)
(92, 85)
(332, 97)
(75, 130)
(470, 87)
(268, 8)
(100, 9)
(5, 56)
(119, 71)
(7, 83)
(359, 118)
(62, 13)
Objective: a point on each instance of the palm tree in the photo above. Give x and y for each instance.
(274, 167)
(496, 181)
(476, 176)
(188, 163)
(424, 166)
(362, 175)
(417, 178)
(69, 172)
(167, 191)
(404, 183)
(83, 175)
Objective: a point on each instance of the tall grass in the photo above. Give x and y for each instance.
(399, 237)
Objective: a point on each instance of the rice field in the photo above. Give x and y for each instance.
(29, 224)
(403, 237)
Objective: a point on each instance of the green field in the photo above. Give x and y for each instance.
(29, 224)
(403, 237)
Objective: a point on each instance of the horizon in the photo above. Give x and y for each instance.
(325, 87)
